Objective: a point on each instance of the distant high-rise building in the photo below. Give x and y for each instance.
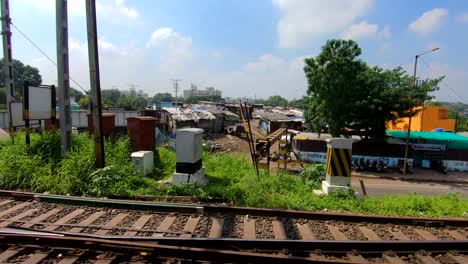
(195, 92)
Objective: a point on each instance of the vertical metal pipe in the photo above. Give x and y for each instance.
(7, 60)
(53, 104)
(405, 162)
(95, 82)
(26, 112)
(63, 74)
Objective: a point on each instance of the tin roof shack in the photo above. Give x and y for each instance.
(273, 118)
(183, 117)
(222, 118)
(165, 123)
(213, 118)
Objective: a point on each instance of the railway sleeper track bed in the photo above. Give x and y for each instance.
(38, 228)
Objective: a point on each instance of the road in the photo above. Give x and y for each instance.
(380, 187)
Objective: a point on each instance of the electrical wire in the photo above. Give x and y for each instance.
(443, 82)
(43, 53)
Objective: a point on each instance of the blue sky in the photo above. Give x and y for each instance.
(245, 48)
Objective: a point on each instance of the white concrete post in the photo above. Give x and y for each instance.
(339, 156)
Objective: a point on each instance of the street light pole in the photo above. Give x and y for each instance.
(405, 163)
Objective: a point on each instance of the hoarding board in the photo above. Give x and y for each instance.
(40, 102)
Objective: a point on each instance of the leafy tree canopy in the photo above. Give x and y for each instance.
(162, 97)
(21, 73)
(346, 94)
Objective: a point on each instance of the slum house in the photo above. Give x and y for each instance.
(164, 122)
(271, 120)
(222, 118)
(213, 120)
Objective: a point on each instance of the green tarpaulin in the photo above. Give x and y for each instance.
(452, 140)
(448, 136)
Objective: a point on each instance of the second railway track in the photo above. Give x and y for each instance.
(213, 227)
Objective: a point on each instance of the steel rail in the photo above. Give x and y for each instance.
(215, 209)
(326, 246)
(156, 250)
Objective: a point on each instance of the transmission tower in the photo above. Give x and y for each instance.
(176, 89)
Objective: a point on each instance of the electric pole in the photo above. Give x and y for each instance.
(176, 89)
(95, 83)
(132, 88)
(63, 75)
(7, 60)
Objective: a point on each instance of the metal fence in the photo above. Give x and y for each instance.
(80, 118)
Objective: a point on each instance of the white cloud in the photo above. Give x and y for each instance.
(116, 11)
(174, 50)
(170, 37)
(463, 17)
(265, 63)
(266, 76)
(216, 54)
(453, 87)
(386, 46)
(429, 22)
(366, 30)
(304, 20)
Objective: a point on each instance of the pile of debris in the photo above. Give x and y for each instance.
(222, 143)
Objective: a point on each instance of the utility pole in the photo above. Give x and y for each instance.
(405, 162)
(63, 75)
(95, 83)
(132, 89)
(7, 61)
(176, 89)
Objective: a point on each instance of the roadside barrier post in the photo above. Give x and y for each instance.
(338, 166)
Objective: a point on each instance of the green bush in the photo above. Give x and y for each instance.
(313, 175)
(39, 168)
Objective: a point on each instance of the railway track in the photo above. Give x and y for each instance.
(39, 228)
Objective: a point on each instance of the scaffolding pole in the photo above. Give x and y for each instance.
(63, 75)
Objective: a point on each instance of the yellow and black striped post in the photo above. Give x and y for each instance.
(338, 166)
(339, 162)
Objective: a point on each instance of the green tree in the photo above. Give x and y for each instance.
(84, 102)
(110, 97)
(76, 93)
(162, 97)
(332, 81)
(132, 102)
(277, 100)
(21, 73)
(348, 95)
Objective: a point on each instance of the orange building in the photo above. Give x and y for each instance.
(430, 118)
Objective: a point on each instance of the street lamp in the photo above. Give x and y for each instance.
(405, 163)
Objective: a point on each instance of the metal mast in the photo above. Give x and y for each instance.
(95, 82)
(63, 75)
(7, 59)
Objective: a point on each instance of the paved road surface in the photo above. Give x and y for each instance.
(380, 187)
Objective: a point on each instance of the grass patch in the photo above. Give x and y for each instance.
(39, 168)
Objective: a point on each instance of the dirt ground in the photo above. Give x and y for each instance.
(228, 143)
(224, 143)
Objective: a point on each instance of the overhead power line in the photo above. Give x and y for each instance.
(432, 71)
(43, 53)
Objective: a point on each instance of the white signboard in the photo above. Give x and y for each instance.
(17, 114)
(39, 102)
